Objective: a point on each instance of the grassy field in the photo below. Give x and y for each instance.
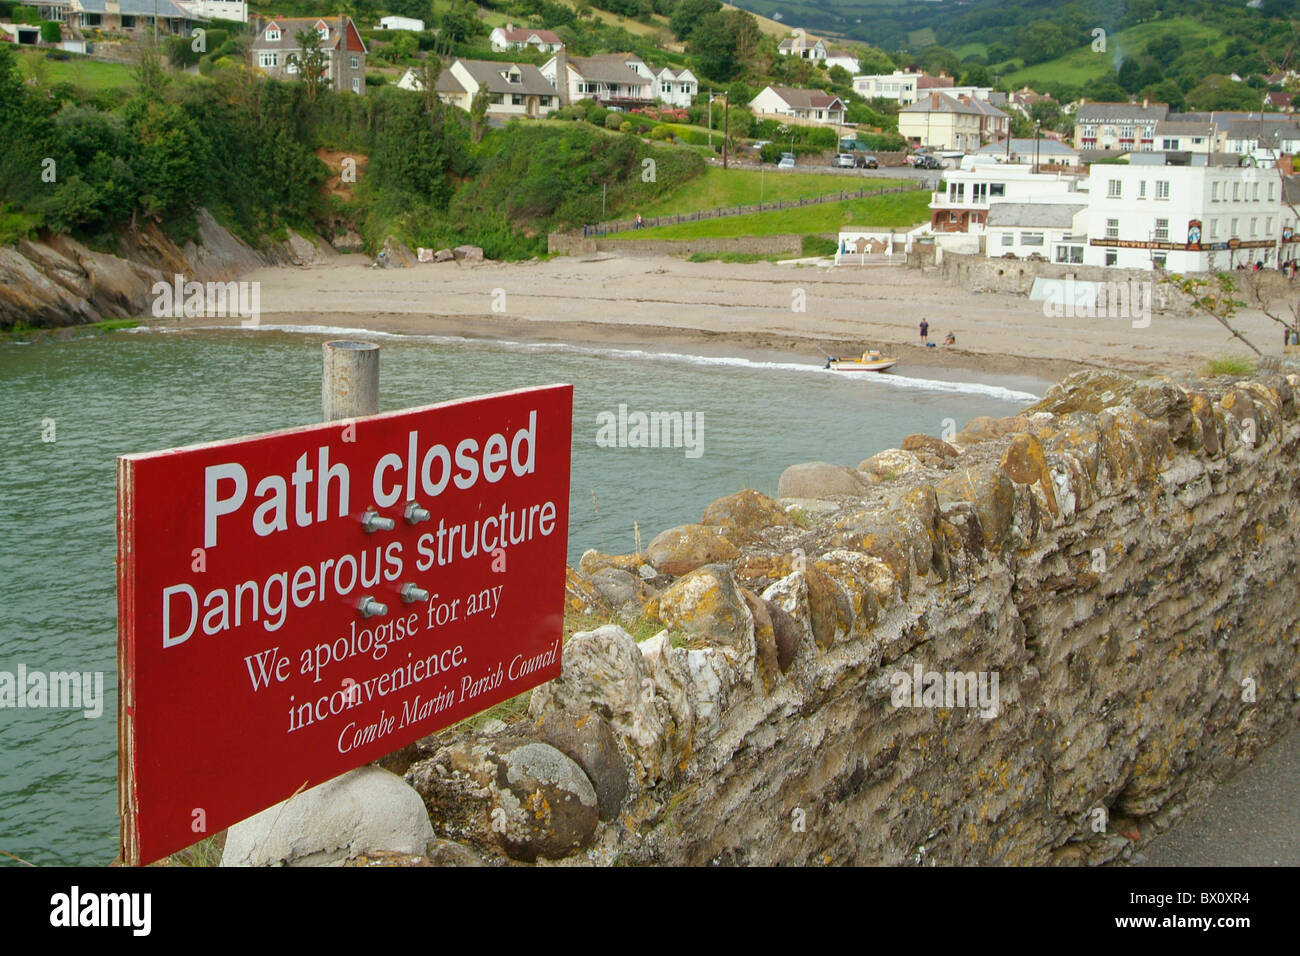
(895, 211)
(1082, 64)
(737, 187)
(83, 73)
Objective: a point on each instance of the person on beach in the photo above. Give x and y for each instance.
(950, 339)
(925, 332)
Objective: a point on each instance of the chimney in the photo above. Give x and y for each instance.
(934, 101)
(510, 27)
(562, 74)
(1145, 102)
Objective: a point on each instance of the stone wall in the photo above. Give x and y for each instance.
(1122, 558)
(565, 244)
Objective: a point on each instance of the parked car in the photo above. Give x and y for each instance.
(867, 161)
(787, 162)
(926, 161)
(843, 161)
(760, 143)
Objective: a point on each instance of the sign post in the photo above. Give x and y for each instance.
(297, 604)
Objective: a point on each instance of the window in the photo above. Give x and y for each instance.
(997, 189)
(1162, 189)
(291, 64)
(1214, 193)
(1112, 228)
(1236, 192)
(1254, 226)
(1214, 228)
(1254, 192)
(1162, 230)
(1031, 238)
(1169, 144)
(1142, 189)
(1268, 226)
(356, 84)
(1270, 192)
(355, 62)
(273, 35)
(1112, 257)
(1232, 228)
(665, 87)
(513, 78)
(979, 192)
(1113, 189)
(1008, 238)
(1070, 254)
(268, 59)
(128, 22)
(1158, 260)
(516, 99)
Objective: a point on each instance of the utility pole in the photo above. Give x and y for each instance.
(726, 124)
(710, 119)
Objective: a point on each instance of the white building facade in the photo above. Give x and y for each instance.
(1185, 213)
(897, 86)
(964, 205)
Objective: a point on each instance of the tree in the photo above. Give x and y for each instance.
(310, 62)
(1041, 41)
(689, 13)
(150, 72)
(461, 23)
(977, 75)
(478, 114)
(1214, 297)
(1218, 92)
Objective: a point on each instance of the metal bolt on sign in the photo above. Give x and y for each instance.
(415, 514)
(373, 521)
(369, 607)
(411, 593)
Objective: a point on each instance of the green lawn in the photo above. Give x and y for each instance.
(83, 73)
(1082, 64)
(738, 187)
(894, 211)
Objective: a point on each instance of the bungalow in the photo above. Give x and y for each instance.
(613, 79)
(799, 46)
(676, 88)
(1049, 152)
(119, 16)
(839, 56)
(514, 89)
(236, 10)
(401, 23)
(1056, 231)
(276, 49)
(510, 38)
(811, 105)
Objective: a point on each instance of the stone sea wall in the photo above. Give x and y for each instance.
(1114, 571)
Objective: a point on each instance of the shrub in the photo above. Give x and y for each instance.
(613, 120)
(625, 126)
(661, 133)
(50, 31)
(375, 79)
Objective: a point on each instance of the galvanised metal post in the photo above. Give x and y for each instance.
(350, 384)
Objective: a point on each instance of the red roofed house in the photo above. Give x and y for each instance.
(806, 104)
(276, 49)
(1280, 100)
(509, 38)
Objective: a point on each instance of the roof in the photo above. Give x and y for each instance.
(521, 35)
(141, 8)
(289, 26)
(447, 83)
(1291, 189)
(928, 82)
(1046, 147)
(1253, 131)
(1096, 112)
(988, 109)
(1181, 127)
(789, 43)
(1044, 215)
(608, 68)
(937, 102)
(806, 99)
(492, 75)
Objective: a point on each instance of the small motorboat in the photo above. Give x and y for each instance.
(871, 361)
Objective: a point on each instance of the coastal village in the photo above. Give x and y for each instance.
(1013, 173)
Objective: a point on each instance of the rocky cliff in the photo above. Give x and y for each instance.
(1038, 642)
(60, 281)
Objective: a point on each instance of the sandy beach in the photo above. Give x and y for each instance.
(714, 308)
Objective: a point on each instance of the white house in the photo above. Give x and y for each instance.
(511, 38)
(843, 58)
(401, 23)
(236, 10)
(676, 88)
(799, 45)
(1056, 231)
(514, 89)
(898, 86)
(1044, 151)
(1246, 137)
(1184, 212)
(1181, 135)
(811, 105)
(965, 204)
(618, 79)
